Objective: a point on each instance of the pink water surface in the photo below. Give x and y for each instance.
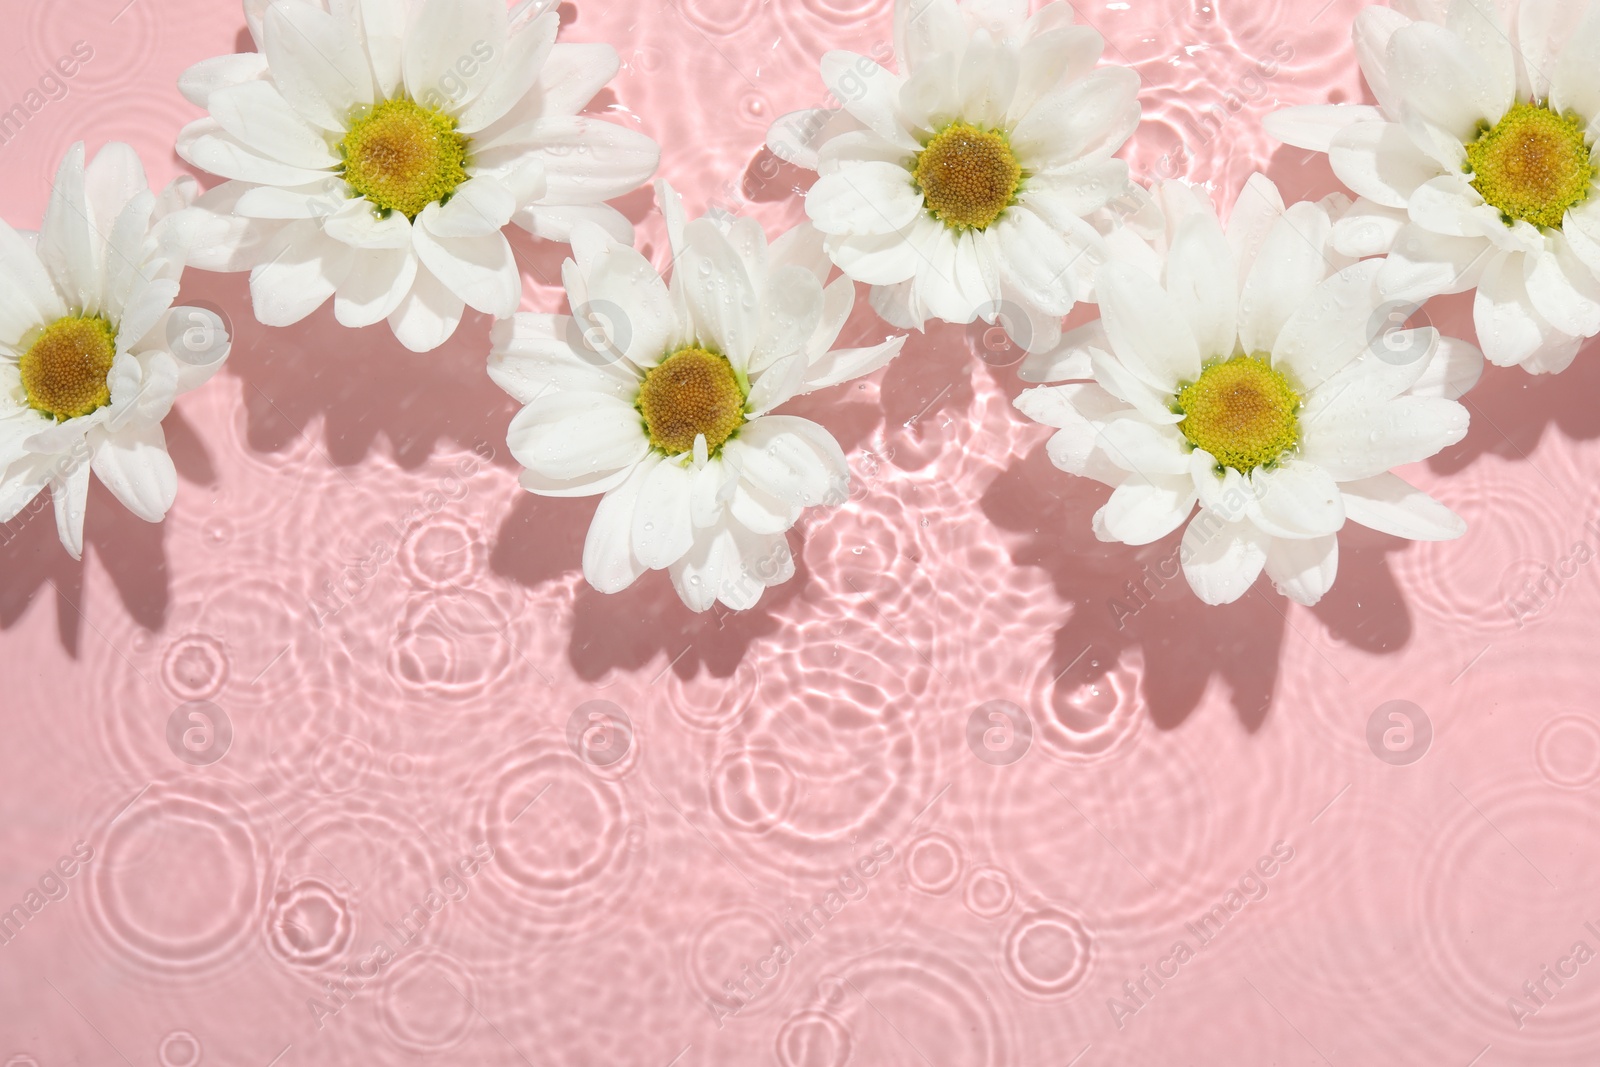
(601, 893)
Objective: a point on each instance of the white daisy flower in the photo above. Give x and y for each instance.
(661, 399)
(1478, 167)
(962, 187)
(92, 352)
(377, 148)
(1242, 372)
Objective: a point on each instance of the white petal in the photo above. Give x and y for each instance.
(482, 271)
(1087, 119)
(208, 146)
(207, 76)
(1367, 229)
(383, 26)
(1544, 30)
(721, 295)
(662, 528)
(1142, 511)
(28, 298)
(1357, 441)
(958, 278)
(1203, 282)
(791, 311)
(1389, 504)
(1424, 264)
(986, 80)
(585, 160)
(534, 353)
(300, 277)
(924, 29)
(513, 76)
(864, 198)
(1148, 331)
(134, 465)
(1143, 448)
(147, 305)
(317, 64)
(477, 208)
(360, 225)
(1441, 78)
(1070, 358)
(445, 40)
(847, 364)
(1379, 161)
(22, 479)
(70, 492)
(66, 245)
(564, 435)
(1035, 260)
(1478, 25)
(1291, 264)
(1508, 326)
(428, 315)
(790, 458)
(1050, 58)
(1575, 82)
(1222, 559)
(608, 560)
(868, 92)
(1563, 290)
(1313, 126)
(1297, 499)
(1331, 328)
(571, 76)
(1303, 570)
(1454, 369)
(376, 283)
(257, 115)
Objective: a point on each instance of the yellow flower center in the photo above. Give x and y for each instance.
(402, 156)
(64, 372)
(967, 176)
(1242, 411)
(1533, 164)
(689, 393)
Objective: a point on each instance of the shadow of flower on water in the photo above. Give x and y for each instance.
(359, 384)
(131, 550)
(1123, 598)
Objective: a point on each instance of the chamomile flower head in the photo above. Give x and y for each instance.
(1478, 167)
(375, 150)
(1248, 371)
(975, 182)
(659, 398)
(92, 352)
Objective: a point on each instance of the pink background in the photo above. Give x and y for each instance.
(380, 737)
